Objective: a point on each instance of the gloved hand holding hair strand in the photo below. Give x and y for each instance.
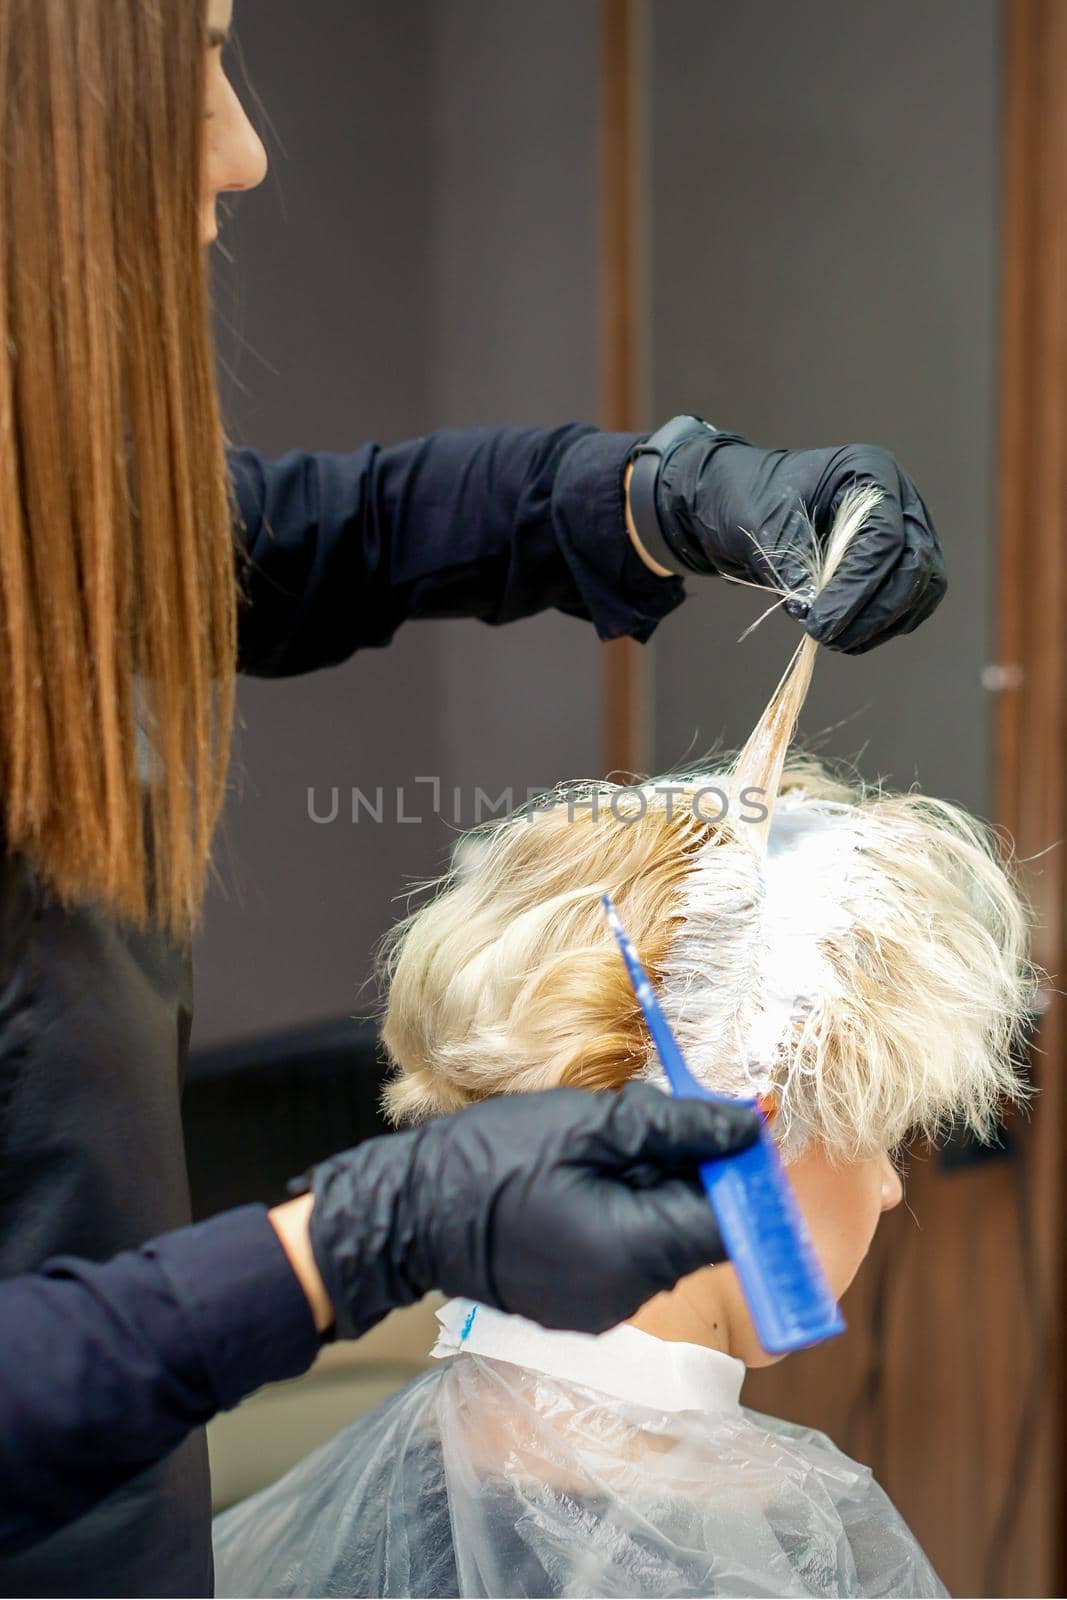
(724, 506)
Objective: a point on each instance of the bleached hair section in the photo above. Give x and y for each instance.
(874, 981)
(762, 761)
(858, 957)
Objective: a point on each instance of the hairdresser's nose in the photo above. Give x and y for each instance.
(246, 156)
(236, 159)
(892, 1185)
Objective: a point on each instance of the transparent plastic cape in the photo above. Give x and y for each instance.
(486, 1477)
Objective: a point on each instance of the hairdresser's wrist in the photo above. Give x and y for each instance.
(292, 1223)
(672, 534)
(635, 538)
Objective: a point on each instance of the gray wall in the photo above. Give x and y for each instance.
(422, 255)
(514, 203)
(823, 242)
(824, 268)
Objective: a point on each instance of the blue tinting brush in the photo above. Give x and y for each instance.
(758, 1216)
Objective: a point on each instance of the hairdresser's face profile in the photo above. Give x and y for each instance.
(234, 157)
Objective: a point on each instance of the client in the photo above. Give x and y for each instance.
(858, 960)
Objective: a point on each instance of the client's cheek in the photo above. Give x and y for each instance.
(857, 1226)
(841, 1251)
(842, 1233)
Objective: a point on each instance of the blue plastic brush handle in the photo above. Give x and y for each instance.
(769, 1244)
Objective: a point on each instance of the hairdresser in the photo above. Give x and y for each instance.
(123, 618)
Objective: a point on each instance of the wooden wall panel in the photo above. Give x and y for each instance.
(624, 746)
(950, 1382)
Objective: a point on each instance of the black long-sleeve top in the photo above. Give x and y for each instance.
(488, 523)
(109, 1366)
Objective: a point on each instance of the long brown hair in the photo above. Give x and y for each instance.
(117, 586)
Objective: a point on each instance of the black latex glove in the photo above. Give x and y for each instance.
(725, 506)
(569, 1207)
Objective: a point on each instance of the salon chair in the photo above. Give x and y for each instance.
(257, 1112)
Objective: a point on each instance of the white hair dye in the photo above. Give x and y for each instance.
(734, 1017)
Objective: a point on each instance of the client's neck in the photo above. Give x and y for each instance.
(698, 1310)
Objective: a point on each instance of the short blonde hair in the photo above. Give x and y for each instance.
(510, 981)
(858, 956)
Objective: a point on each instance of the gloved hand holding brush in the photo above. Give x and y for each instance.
(569, 1207)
